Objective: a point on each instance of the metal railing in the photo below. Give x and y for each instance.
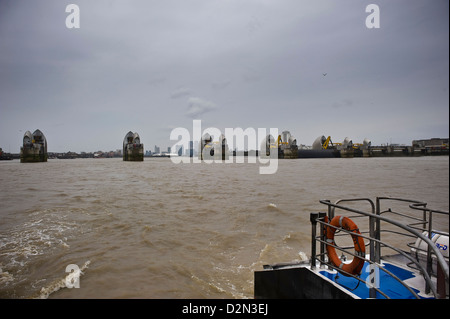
(413, 228)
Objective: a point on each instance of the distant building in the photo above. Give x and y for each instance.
(433, 142)
(5, 156)
(191, 149)
(34, 147)
(157, 150)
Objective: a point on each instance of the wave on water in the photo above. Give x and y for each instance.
(43, 231)
(62, 283)
(271, 207)
(25, 248)
(5, 277)
(199, 232)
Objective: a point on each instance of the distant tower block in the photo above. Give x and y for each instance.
(133, 150)
(34, 148)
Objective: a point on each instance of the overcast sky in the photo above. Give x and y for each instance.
(151, 66)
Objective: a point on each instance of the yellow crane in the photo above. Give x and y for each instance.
(279, 141)
(327, 142)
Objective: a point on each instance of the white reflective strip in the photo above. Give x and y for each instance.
(340, 220)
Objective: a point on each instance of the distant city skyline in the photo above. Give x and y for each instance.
(157, 149)
(310, 67)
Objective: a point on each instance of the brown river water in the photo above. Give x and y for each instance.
(156, 229)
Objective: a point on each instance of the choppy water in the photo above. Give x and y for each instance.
(155, 229)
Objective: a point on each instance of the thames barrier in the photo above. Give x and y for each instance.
(34, 147)
(133, 150)
(323, 147)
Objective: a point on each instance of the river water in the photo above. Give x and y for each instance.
(155, 229)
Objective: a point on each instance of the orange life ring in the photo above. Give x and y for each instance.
(357, 264)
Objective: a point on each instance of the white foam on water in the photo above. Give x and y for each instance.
(61, 283)
(27, 245)
(5, 277)
(35, 237)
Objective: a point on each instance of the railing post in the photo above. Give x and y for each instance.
(429, 258)
(313, 218)
(440, 282)
(330, 210)
(377, 233)
(371, 241)
(322, 245)
(373, 257)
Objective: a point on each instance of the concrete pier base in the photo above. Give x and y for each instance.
(134, 153)
(32, 155)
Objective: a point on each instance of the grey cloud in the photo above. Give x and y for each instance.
(261, 60)
(198, 106)
(180, 92)
(251, 75)
(221, 85)
(343, 103)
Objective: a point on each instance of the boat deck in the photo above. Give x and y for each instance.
(421, 273)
